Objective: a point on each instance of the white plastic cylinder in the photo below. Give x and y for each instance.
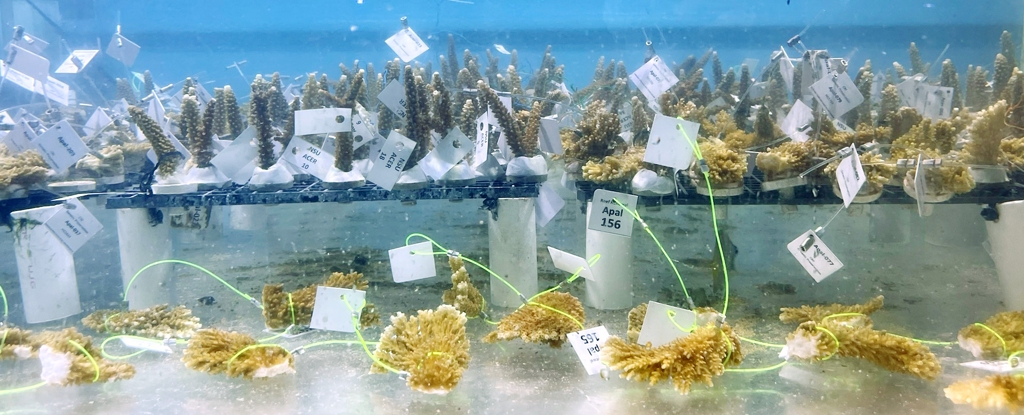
(248, 217)
(955, 226)
(141, 243)
(1005, 236)
(612, 285)
(513, 248)
(46, 268)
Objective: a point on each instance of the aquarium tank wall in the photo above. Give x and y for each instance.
(472, 206)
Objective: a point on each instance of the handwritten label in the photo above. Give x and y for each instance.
(668, 145)
(61, 146)
(73, 224)
(406, 44)
(323, 121)
(393, 97)
(412, 262)
(308, 158)
(653, 79)
(607, 216)
(122, 49)
(190, 217)
(850, 176)
(938, 102)
(787, 69)
(663, 322)
(335, 309)
(587, 344)
(52, 88)
(837, 93)
(625, 117)
(798, 122)
(814, 256)
(570, 263)
(388, 165)
(920, 184)
(77, 61)
(146, 344)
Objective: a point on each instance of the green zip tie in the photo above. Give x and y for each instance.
(175, 261)
(92, 360)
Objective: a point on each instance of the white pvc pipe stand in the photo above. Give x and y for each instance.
(513, 248)
(248, 217)
(46, 269)
(1005, 236)
(142, 244)
(612, 285)
(955, 226)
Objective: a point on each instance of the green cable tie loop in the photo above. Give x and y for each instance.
(773, 345)
(92, 360)
(995, 334)
(830, 333)
(106, 320)
(251, 347)
(729, 342)
(22, 389)
(660, 246)
(756, 370)
(176, 261)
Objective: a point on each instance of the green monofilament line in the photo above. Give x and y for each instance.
(578, 323)
(758, 370)
(103, 347)
(777, 346)
(362, 341)
(22, 389)
(92, 360)
(330, 342)
(995, 333)
(830, 333)
(175, 261)
(495, 275)
(660, 246)
(254, 346)
(3, 295)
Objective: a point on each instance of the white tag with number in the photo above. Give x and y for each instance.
(146, 344)
(653, 78)
(814, 256)
(850, 176)
(837, 94)
(550, 140)
(20, 137)
(587, 344)
(607, 216)
(393, 97)
(122, 49)
(388, 165)
(73, 224)
(997, 366)
(308, 158)
(920, 184)
(407, 44)
(842, 127)
(61, 146)
(668, 145)
(549, 203)
(570, 263)
(664, 323)
(77, 61)
(337, 309)
(626, 117)
(798, 122)
(412, 262)
(361, 132)
(323, 121)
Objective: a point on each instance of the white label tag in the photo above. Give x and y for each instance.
(412, 262)
(73, 224)
(393, 97)
(570, 263)
(51, 88)
(361, 128)
(662, 324)
(842, 127)
(448, 152)
(549, 203)
(20, 138)
(323, 121)
(798, 122)
(486, 127)
(46, 269)
(653, 79)
(61, 146)
(6, 119)
(837, 93)
(850, 176)
(28, 63)
(308, 158)
(238, 160)
(907, 91)
(814, 256)
(122, 49)
(607, 216)
(997, 366)
(156, 111)
(406, 44)
(550, 140)
(388, 165)
(77, 61)
(32, 43)
(336, 308)
(97, 122)
(667, 145)
(938, 102)
(587, 344)
(919, 185)
(787, 69)
(146, 344)
(626, 117)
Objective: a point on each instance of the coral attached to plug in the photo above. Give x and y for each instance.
(546, 319)
(236, 354)
(996, 338)
(280, 311)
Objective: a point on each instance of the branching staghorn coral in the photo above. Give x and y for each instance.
(938, 138)
(984, 344)
(995, 392)
(431, 347)
(232, 113)
(641, 122)
(636, 322)
(977, 84)
(785, 160)
(259, 116)
(125, 92)
(950, 79)
(236, 354)
(417, 115)
(888, 106)
(463, 295)
(538, 322)
(1001, 76)
(987, 131)
(25, 169)
(278, 103)
(160, 321)
(698, 357)
(64, 363)
(167, 157)
(951, 177)
(616, 168)
(819, 341)
(441, 102)
(595, 136)
(202, 145)
(278, 312)
(1013, 149)
(916, 64)
(819, 312)
(726, 166)
(190, 118)
(520, 132)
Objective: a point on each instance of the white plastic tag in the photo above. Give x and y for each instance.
(757, 90)
(716, 104)
(361, 128)
(837, 93)
(73, 224)
(77, 61)
(907, 91)
(549, 203)
(448, 152)
(486, 127)
(51, 88)
(203, 95)
(570, 263)
(550, 140)
(32, 43)
(662, 324)
(156, 111)
(814, 256)
(61, 146)
(28, 63)
(938, 102)
(388, 165)
(850, 176)
(178, 146)
(668, 145)
(625, 117)
(787, 69)
(323, 121)
(997, 366)
(20, 137)
(798, 122)
(412, 262)
(238, 160)
(46, 269)
(406, 44)
(919, 185)
(97, 122)
(653, 79)
(122, 49)
(607, 216)
(308, 158)
(6, 119)
(335, 309)
(751, 65)
(501, 49)
(393, 97)
(842, 127)
(146, 344)
(587, 344)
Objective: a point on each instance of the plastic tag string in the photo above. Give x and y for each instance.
(930, 342)
(362, 341)
(175, 261)
(593, 260)
(660, 246)
(92, 360)
(672, 317)
(291, 308)
(446, 252)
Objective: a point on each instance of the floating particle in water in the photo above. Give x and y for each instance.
(353, 28)
(207, 300)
